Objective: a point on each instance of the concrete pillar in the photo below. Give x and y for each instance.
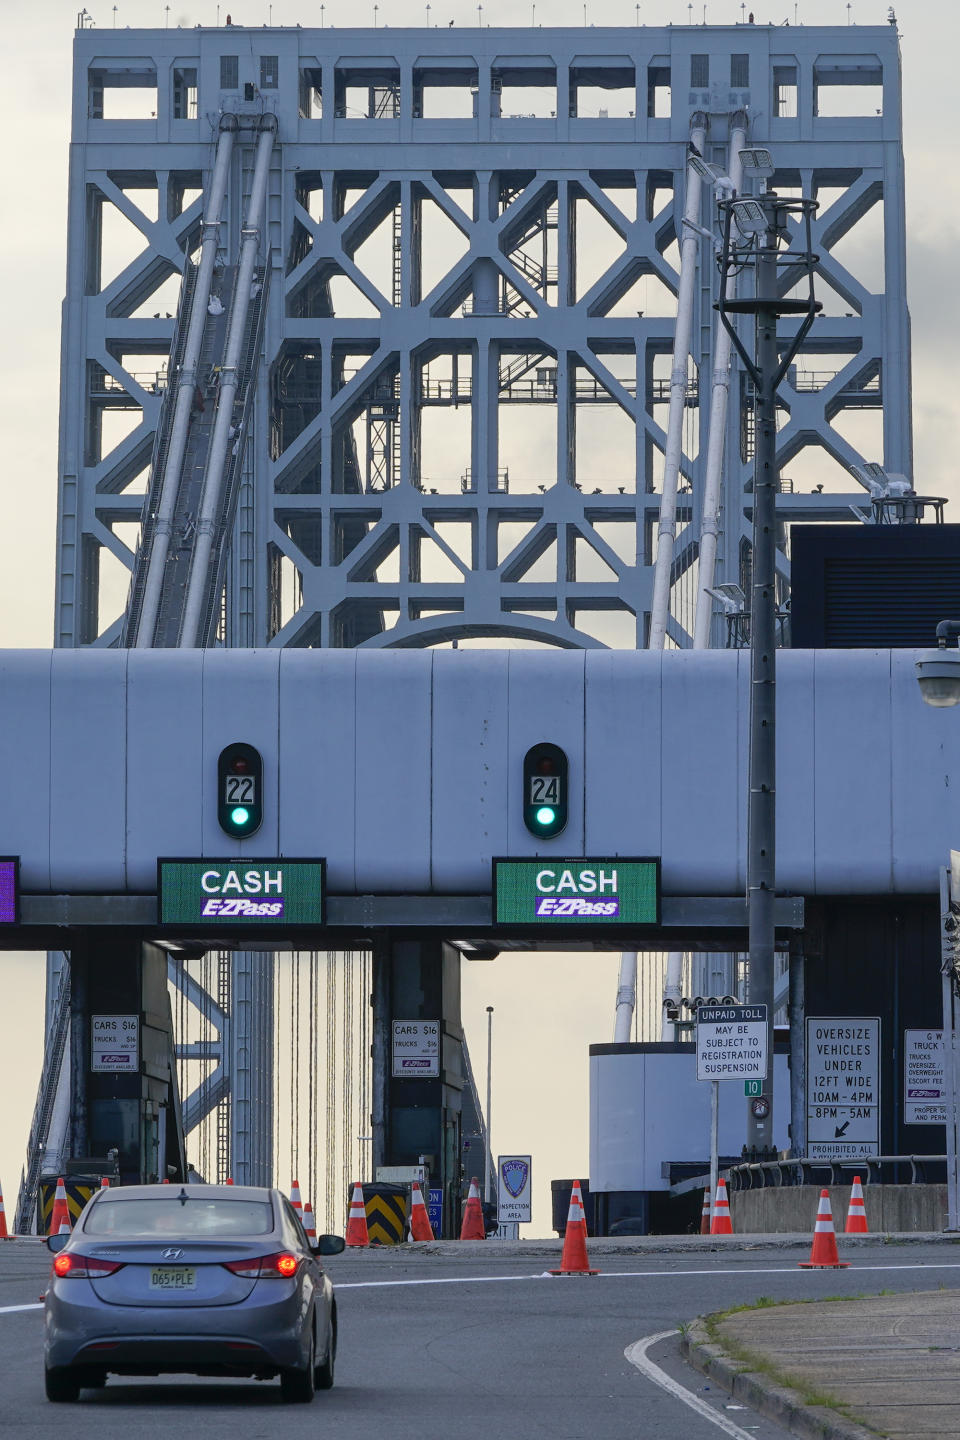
(419, 980)
(134, 1111)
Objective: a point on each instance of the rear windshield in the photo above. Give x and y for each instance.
(180, 1218)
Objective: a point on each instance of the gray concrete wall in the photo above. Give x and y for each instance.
(793, 1208)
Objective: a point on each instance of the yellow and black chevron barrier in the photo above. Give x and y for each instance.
(78, 1193)
(386, 1207)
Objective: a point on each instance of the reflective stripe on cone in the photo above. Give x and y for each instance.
(472, 1227)
(857, 1212)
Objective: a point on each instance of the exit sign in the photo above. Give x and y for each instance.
(254, 894)
(596, 893)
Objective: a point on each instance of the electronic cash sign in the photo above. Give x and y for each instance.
(585, 894)
(267, 894)
(9, 890)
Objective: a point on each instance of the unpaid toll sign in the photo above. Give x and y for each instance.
(590, 893)
(843, 1087)
(731, 1042)
(268, 893)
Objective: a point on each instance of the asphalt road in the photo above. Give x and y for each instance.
(496, 1349)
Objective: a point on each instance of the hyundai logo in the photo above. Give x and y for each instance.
(172, 1254)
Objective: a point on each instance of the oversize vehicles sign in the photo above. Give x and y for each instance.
(731, 1042)
(584, 893)
(924, 1078)
(268, 893)
(843, 1087)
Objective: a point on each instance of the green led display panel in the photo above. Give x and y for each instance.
(592, 893)
(267, 894)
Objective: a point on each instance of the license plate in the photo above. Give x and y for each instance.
(173, 1277)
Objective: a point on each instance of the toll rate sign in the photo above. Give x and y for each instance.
(731, 1042)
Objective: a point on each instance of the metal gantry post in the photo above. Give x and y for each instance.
(762, 812)
(761, 223)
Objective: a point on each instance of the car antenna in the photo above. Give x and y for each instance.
(183, 1197)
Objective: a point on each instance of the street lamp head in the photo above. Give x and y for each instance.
(757, 162)
(750, 217)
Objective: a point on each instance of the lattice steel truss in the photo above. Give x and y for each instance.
(460, 223)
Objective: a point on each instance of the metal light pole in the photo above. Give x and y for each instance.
(761, 222)
(488, 1153)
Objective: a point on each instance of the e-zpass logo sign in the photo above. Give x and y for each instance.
(570, 893)
(230, 894)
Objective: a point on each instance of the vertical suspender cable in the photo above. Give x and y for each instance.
(210, 498)
(689, 241)
(710, 519)
(167, 482)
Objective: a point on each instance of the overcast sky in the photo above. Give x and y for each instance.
(548, 1008)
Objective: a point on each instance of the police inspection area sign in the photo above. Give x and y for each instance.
(843, 1087)
(731, 1042)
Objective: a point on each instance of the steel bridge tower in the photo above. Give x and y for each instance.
(457, 412)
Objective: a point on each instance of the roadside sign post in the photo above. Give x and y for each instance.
(731, 1045)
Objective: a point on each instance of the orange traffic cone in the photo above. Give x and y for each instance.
(4, 1233)
(295, 1200)
(60, 1214)
(165, 1180)
(856, 1214)
(823, 1252)
(720, 1223)
(229, 1180)
(472, 1227)
(705, 1214)
(309, 1224)
(104, 1182)
(357, 1219)
(574, 1260)
(420, 1227)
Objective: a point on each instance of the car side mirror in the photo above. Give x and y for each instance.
(329, 1245)
(56, 1243)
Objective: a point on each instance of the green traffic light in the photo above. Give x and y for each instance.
(546, 815)
(240, 816)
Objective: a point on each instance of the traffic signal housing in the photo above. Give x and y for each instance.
(545, 790)
(240, 790)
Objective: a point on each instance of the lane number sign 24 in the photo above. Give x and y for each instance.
(544, 789)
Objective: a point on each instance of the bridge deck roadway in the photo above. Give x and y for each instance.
(471, 1339)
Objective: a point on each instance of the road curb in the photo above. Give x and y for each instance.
(776, 1402)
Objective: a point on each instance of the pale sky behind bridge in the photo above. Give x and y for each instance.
(548, 1007)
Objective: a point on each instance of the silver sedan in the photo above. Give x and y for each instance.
(198, 1279)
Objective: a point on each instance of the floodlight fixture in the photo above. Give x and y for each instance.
(750, 216)
(711, 173)
(757, 162)
(938, 673)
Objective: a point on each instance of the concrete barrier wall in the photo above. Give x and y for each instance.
(792, 1208)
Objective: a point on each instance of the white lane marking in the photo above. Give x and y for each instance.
(624, 1275)
(13, 1309)
(637, 1355)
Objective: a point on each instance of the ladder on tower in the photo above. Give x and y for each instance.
(43, 1109)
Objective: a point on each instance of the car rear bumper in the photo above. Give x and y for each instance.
(265, 1333)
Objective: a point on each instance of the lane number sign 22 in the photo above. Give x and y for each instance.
(240, 790)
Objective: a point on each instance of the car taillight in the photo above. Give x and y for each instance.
(83, 1267)
(282, 1264)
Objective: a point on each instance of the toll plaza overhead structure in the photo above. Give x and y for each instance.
(454, 223)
